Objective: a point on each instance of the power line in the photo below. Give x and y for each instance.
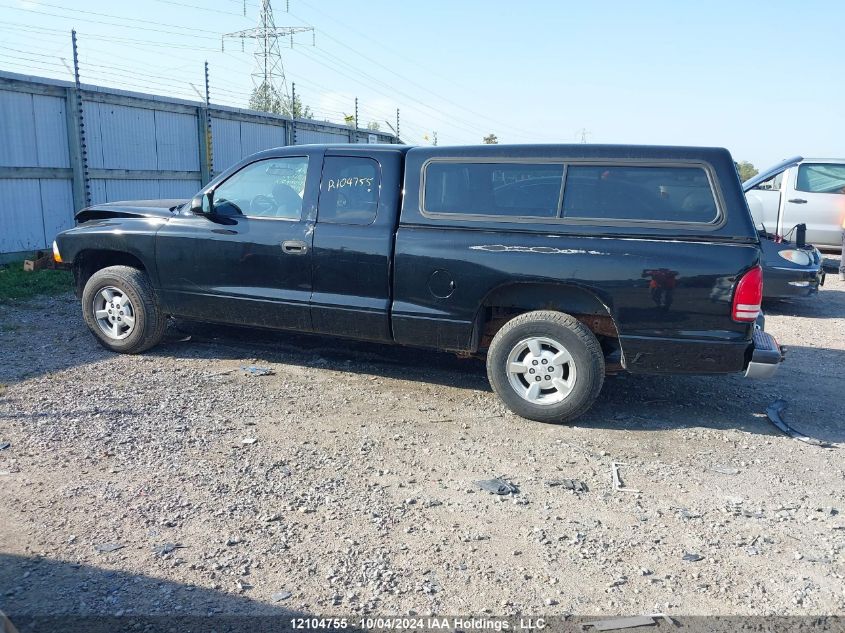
(413, 103)
(117, 24)
(118, 17)
(403, 76)
(27, 67)
(199, 8)
(113, 73)
(16, 27)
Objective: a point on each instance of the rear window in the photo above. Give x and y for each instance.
(493, 189)
(821, 178)
(613, 192)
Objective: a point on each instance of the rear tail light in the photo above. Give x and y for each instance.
(748, 295)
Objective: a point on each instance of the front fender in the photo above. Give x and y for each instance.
(132, 237)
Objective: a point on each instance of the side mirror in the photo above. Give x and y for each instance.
(201, 204)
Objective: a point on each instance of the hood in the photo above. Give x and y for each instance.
(130, 209)
(771, 172)
(771, 247)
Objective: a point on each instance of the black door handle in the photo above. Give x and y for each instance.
(294, 247)
(798, 201)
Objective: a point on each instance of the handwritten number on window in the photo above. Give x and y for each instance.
(354, 181)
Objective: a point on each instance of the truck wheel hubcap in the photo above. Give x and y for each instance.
(541, 370)
(114, 313)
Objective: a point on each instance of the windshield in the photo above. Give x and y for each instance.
(763, 176)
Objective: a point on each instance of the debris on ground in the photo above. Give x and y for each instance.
(4, 445)
(255, 370)
(692, 558)
(220, 373)
(779, 406)
(617, 480)
(280, 595)
(615, 624)
(162, 550)
(42, 260)
(575, 485)
(6, 625)
(242, 585)
(685, 513)
(725, 470)
(105, 548)
(497, 486)
(249, 440)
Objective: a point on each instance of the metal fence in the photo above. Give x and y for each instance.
(125, 145)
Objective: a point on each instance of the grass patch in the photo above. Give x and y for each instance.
(16, 285)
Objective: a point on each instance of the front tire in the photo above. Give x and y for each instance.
(120, 308)
(546, 366)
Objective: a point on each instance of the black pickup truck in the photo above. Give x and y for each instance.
(561, 263)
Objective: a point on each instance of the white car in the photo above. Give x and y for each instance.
(800, 190)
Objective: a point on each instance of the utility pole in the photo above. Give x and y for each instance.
(293, 113)
(82, 150)
(268, 77)
(356, 119)
(206, 140)
(435, 139)
(207, 93)
(397, 124)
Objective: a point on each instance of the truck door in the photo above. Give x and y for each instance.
(247, 260)
(815, 195)
(353, 243)
(765, 194)
(764, 202)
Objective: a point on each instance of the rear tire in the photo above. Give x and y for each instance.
(546, 366)
(120, 308)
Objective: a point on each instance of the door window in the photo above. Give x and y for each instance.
(271, 188)
(772, 184)
(821, 178)
(349, 190)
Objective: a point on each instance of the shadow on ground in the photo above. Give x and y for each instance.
(627, 402)
(41, 595)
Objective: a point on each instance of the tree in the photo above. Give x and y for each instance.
(491, 139)
(746, 170)
(266, 99)
(374, 126)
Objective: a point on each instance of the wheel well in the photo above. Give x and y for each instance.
(88, 262)
(506, 302)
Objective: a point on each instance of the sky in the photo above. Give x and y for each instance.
(764, 79)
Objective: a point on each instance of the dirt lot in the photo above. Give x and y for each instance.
(358, 494)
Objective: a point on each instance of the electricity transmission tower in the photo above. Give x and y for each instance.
(269, 74)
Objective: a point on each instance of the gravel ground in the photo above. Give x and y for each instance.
(344, 482)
